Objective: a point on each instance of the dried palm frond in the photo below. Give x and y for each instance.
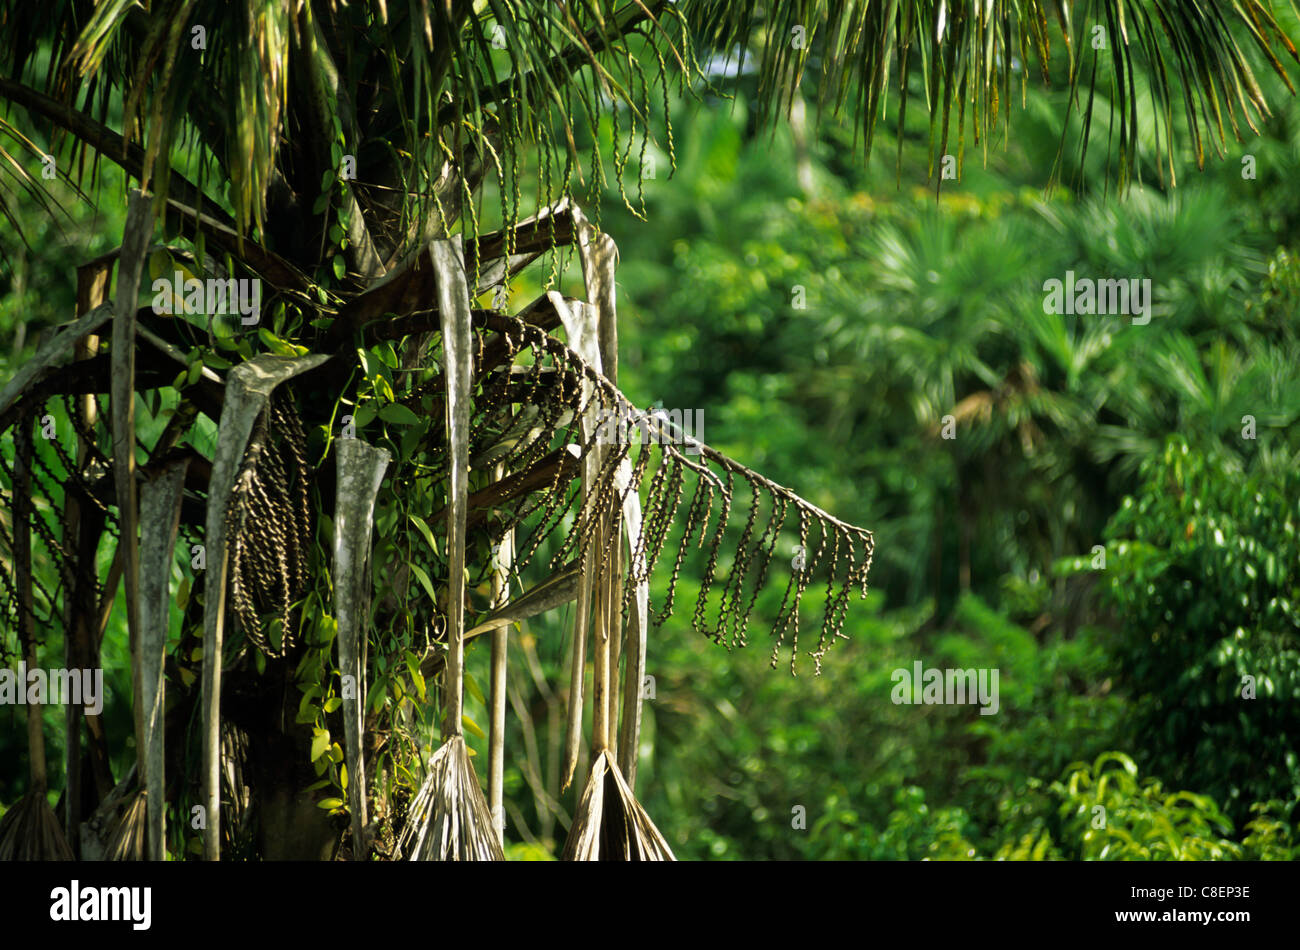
(580, 323)
(452, 821)
(128, 839)
(448, 820)
(160, 509)
(139, 832)
(591, 329)
(100, 826)
(29, 831)
(610, 825)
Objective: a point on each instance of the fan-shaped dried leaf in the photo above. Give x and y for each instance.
(448, 820)
(610, 824)
(29, 831)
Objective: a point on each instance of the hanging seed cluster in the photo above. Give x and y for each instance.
(90, 482)
(236, 795)
(535, 394)
(269, 524)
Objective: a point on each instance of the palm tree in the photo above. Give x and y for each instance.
(347, 158)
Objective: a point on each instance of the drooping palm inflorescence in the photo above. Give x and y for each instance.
(330, 166)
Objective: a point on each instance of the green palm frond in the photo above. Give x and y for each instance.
(428, 96)
(972, 55)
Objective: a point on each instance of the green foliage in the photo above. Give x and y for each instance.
(1271, 833)
(913, 832)
(1109, 815)
(1215, 679)
(912, 310)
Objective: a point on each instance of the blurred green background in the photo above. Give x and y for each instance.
(1100, 529)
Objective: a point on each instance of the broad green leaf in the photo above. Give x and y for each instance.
(364, 415)
(320, 744)
(399, 415)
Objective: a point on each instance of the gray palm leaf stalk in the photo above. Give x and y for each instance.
(360, 471)
(609, 822)
(503, 556)
(240, 440)
(450, 820)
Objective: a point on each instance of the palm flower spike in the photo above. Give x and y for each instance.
(449, 819)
